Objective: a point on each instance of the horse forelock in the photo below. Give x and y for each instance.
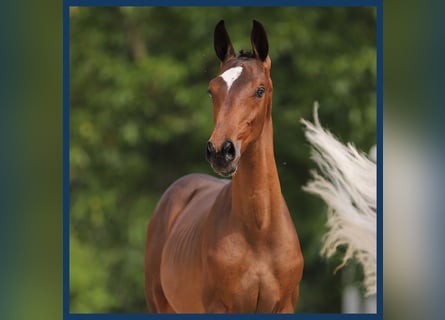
(245, 54)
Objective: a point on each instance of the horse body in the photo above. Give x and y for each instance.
(217, 245)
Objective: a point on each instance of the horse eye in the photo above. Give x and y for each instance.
(209, 93)
(260, 92)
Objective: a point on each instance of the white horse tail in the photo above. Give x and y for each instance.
(346, 181)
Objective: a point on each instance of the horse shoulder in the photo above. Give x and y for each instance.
(181, 268)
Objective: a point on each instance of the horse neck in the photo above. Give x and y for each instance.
(256, 191)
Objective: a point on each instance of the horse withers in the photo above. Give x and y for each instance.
(217, 245)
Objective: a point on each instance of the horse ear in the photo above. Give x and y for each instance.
(258, 38)
(221, 41)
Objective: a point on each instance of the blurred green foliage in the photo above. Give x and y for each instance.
(140, 118)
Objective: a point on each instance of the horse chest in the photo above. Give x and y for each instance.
(249, 279)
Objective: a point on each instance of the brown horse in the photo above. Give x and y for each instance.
(228, 246)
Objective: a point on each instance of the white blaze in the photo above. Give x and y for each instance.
(230, 75)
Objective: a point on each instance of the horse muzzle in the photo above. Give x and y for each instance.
(225, 160)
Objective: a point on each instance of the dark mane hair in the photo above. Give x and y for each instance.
(245, 54)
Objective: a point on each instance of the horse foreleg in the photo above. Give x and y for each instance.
(159, 303)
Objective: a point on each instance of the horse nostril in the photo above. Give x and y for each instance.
(210, 151)
(228, 150)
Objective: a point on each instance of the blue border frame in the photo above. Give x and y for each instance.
(66, 157)
(378, 4)
(379, 7)
(226, 3)
(145, 316)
